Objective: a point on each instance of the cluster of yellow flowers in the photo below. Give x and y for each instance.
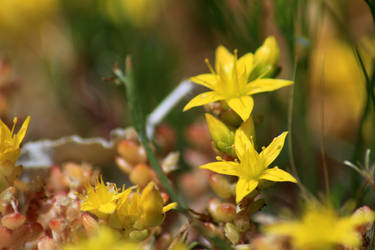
(132, 212)
(234, 82)
(10, 151)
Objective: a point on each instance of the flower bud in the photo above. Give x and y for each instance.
(267, 57)
(123, 165)
(132, 152)
(170, 162)
(151, 204)
(13, 221)
(141, 175)
(46, 243)
(231, 233)
(364, 212)
(90, 224)
(221, 135)
(221, 212)
(221, 186)
(138, 235)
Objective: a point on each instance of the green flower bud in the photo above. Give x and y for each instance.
(266, 58)
(231, 233)
(221, 212)
(221, 186)
(221, 135)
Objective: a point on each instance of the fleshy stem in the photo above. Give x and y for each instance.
(139, 124)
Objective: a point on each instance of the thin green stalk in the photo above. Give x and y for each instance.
(139, 124)
(322, 144)
(370, 98)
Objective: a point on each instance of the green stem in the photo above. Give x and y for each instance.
(366, 111)
(139, 124)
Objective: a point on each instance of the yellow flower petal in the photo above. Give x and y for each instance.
(245, 150)
(223, 167)
(203, 99)
(266, 85)
(224, 58)
(22, 132)
(270, 153)
(207, 80)
(247, 127)
(169, 207)
(244, 187)
(277, 175)
(245, 63)
(107, 208)
(242, 106)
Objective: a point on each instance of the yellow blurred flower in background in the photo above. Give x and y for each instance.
(104, 239)
(337, 77)
(321, 228)
(140, 13)
(18, 17)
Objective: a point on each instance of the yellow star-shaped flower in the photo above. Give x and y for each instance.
(100, 199)
(10, 141)
(252, 167)
(321, 228)
(230, 83)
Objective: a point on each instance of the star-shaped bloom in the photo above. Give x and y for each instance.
(321, 228)
(100, 199)
(9, 152)
(10, 141)
(252, 166)
(229, 82)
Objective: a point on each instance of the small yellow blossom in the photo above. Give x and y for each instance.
(10, 151)
(138, 212)
(230, 83)
(105, 239)
(252, 167)
(100, 200)
(321, 228)
(10, 142)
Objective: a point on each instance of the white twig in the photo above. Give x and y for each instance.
(166, 106)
